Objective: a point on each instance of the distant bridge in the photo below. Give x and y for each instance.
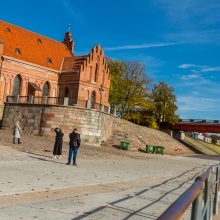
(198, 125)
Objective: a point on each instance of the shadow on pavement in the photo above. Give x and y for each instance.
(46, 160)
(140, 195)
(36, 154)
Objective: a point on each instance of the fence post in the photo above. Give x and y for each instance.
(197, 208)
(88, 103)
(216, 196)
(207, 198)
(114, 112)
(66, 101)
(17, 99)
(102, 107)
(30, 99)
(44, 100)
(109, 109)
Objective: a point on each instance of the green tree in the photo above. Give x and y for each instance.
(152, 122)
(129, 87)
(165, 103)
(117, 68)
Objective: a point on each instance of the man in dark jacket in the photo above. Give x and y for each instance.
(74, 146)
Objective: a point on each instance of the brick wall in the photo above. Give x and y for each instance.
(94, 126)
(89, 76)
(28, 73)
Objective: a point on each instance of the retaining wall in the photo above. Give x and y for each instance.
(95, 126)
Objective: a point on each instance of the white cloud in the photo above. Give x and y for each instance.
(142, 46)
(186, 66)
(197, 103)
(210, 69)
(199, 68)
(198, 99)
(190, 77)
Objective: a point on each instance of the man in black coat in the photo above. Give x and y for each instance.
(74, 146)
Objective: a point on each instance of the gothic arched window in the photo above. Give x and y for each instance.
(96, 72)
(93, 97)
(90, 73)
(17, 86)
(46, 89)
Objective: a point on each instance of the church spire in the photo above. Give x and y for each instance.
(68, 40)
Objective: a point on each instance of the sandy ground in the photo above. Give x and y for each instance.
(44, 146)
(107, 183)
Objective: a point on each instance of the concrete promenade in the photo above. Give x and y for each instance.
(35, 186)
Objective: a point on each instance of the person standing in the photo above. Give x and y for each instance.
(17, 133)
(57, 150)
(74, 146)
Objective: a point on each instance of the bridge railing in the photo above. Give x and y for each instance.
(203, 195)
(198, 121)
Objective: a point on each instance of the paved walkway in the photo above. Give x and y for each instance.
(33, 186)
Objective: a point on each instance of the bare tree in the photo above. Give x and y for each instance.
(134, 87)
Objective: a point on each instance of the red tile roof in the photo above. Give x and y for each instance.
(73, 64)
(34, 48)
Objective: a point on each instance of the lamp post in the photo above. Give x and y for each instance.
(101, 89)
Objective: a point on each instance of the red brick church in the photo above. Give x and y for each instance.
(34, 65)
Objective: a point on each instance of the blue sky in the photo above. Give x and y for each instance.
(178, 41)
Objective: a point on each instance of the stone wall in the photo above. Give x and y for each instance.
(94, 126)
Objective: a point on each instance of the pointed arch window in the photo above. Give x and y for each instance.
(96, 72)
(16, 86)
(46, 89)
(90, 73)
(93, 98)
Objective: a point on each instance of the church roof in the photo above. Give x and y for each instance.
(27, 46)
(73, 64)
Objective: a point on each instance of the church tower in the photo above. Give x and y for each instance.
(68, 40)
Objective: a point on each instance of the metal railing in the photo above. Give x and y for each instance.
(203, 195)
(59, 101)
(198, 121)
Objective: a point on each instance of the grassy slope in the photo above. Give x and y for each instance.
(206, 148)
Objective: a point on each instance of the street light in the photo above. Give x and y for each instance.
(101, 89)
